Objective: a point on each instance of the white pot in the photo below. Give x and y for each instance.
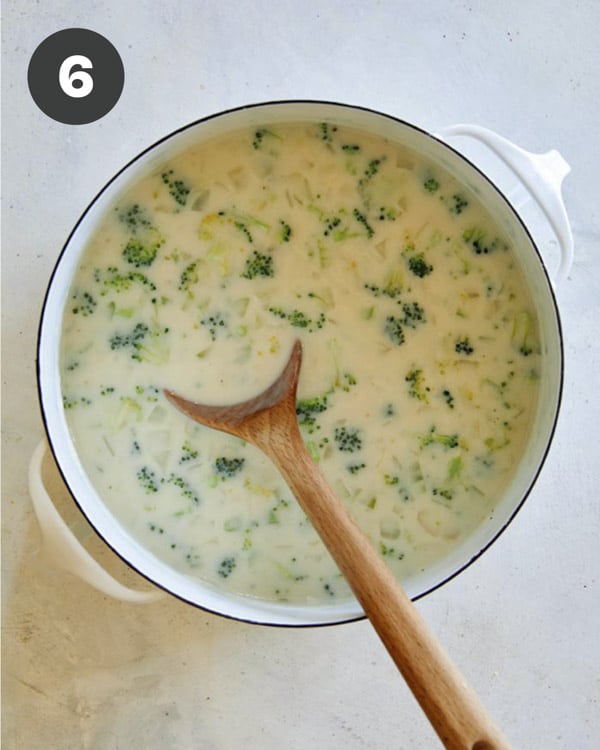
(541, 175)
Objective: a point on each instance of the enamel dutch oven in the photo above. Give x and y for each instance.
(541, 176)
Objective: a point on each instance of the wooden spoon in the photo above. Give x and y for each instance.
(269, 422)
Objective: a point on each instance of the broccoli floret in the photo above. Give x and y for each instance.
(84, 304)
(139, 253)
(226, 468)
(419, 266)
(362, 219)
(186, 490)
(326, 131)
(187, 453)
(189, 277)
(347, 439)
(308, 408)
(135, 218)
(448, 398)
(285, 231)
(227, 566)
(258, 264)
(371, 170)
(477, 239)
(393, 330)
(178, 190)
(443, 492)
(119, 282)
(464, 346)
(416, 385)
(347, 381)
(457, 203)
(413, 314)
(146, 345)
(392, 286)
(355, 468)
(431, 185)
(147, 480)
(433, 436)
(124, 340)
(242, 222)
(260, 135)
(298, 319)
(214, 322)
(387, 214)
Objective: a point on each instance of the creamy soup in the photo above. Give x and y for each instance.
(420, 369)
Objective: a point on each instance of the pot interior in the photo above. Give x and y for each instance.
(204, 594)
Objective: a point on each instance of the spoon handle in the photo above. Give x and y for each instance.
(453, 709)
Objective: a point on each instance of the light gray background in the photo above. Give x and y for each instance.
(82, 671)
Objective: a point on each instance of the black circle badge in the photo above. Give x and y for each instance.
(75, 76)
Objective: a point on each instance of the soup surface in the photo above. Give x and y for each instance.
(421, 354)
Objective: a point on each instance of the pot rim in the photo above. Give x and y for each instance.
(394, 120)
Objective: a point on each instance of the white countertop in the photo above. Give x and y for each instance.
(83, 671)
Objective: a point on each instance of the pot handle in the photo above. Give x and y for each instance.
(540, 174)
(63, 547)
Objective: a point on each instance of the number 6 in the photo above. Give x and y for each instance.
(67, 78)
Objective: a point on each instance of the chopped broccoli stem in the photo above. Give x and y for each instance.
(226, 468)
(347, 439)
(258, 264)
(455, 467)
(523, 333)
